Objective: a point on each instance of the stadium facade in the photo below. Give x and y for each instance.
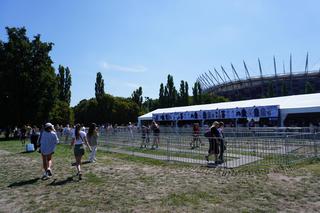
(262, 86)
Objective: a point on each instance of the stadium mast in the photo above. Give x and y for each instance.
(226, 73)
(261, 76)
(209, 79)
(214, 77)
(235, 72)
(260, 69)
(206, 80)
(217, 73)
(275, 66)
(307, 63)
(247, 73)
(203, 82)
(291, 87)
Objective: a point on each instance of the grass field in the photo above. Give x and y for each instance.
(122, 183)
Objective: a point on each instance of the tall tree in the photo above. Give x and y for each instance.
(186, 94)
(172, 92)
(99, 86)
(181, 95)
(136, 96)
(161, 96)
(64, 84)
(27, 78)
(195, 98)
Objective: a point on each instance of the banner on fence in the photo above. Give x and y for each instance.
(234, 113)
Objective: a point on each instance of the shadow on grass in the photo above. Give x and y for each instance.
(25, 152)
(23, 183)
(83, 162)
(61, 182)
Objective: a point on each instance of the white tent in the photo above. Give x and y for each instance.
(287, 104)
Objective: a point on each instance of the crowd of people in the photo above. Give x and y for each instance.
(146, 130)
(46, 138)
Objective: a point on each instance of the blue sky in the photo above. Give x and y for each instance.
(139, 42)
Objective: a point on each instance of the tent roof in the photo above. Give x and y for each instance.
(285, 102)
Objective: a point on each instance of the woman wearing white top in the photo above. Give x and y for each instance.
(48, 141)
(78, 139)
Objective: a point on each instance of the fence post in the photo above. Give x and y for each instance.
(315, 145)
(286, 150)
(168, 153)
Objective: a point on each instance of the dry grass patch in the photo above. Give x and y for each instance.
(120, 183)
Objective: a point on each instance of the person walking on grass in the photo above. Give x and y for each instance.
(92, 138)
(78, 139)
(48, 142)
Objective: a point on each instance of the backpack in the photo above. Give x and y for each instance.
(208, 134)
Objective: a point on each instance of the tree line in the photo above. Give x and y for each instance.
(33, 92)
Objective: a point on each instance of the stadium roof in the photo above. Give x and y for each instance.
(284, 102)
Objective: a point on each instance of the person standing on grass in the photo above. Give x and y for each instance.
(92, 138)
(66, 133)
(48, 142)
(78, 139)
(156, 135)
(23, 134)
(213, 142)
(221, 142)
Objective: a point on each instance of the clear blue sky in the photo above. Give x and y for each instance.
(139, 42)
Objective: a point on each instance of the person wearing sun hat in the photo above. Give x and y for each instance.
(48, 142)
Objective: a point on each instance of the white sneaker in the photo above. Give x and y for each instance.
(45, 175)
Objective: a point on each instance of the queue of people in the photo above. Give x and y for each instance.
(216, 142)
(146, 130)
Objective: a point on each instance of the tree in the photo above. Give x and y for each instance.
(186, 94)
(28, 80)
(99, 86)
(171, 92)
(161, 96)
(64, 84)
(195, 93)
(136, 96)
(199, 93)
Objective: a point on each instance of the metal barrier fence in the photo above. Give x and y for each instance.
(237, 151)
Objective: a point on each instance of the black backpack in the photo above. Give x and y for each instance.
(208, 134)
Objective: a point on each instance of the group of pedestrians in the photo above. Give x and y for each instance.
(216, 142)
(145, 130)
(49, 139)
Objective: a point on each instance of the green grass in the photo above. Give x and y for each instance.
(125, 183)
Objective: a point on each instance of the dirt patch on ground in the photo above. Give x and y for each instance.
(278, 177)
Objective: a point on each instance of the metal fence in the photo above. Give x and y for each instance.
(238, 150)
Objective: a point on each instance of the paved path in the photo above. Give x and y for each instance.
(242, 160)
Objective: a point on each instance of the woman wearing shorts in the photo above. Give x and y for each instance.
(78, 139)
(48, 142)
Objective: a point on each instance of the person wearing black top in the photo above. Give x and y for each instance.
(214, 142)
